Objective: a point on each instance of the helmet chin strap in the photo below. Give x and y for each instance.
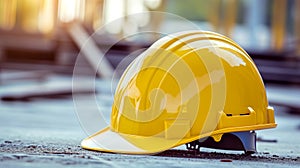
(245, 141)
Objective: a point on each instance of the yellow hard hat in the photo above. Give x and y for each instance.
(195, 87)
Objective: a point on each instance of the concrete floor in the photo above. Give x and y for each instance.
(47, 133)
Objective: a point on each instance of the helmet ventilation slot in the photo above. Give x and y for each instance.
(243, 114)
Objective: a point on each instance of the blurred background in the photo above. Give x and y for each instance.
(50, 49)
(40, 40)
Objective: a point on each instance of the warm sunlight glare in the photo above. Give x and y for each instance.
(46, 16)
(8, 13)
(69, 10)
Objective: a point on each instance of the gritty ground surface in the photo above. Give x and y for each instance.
(47, 133)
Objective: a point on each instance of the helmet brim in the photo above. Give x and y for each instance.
(107, 140)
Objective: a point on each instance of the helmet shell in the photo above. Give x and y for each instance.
(188, 86)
